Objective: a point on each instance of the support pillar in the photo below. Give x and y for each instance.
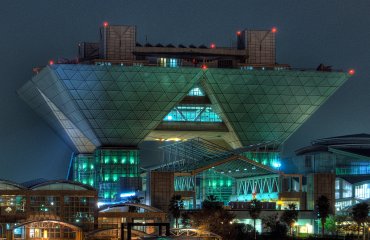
(78, 235)
(9, 235)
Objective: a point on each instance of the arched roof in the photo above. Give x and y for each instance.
(46, 220)
(9, 185)
(127, 204)
(61, 185)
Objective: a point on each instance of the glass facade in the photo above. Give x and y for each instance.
(357, 170)
(213, 183)
(106, 169)
(362, 191)
(193, 113)
(12, 203)
(343, 189)
(84, 166)
(271, 159)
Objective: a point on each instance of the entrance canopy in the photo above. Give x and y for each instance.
(197, 155)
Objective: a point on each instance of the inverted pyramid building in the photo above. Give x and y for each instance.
(93, 106)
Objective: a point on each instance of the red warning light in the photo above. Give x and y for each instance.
(351, 71)
(238, 33)
(274, 30)
(204, 67)
(213, 45)
(51, 62)
(105, 24)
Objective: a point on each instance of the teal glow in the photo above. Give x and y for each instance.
(192, 113)
(196, 92)
(228, 183)
(106, 159)
(123, 159)
(115, 177)
(115, 160)
(271, 159)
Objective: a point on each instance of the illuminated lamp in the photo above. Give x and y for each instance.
(51, 62)
(213, 45)
(276, 164)
(105, 24)
(238, 33)
(274, 30)
(129, 194)
(204, 67)
(351, 72)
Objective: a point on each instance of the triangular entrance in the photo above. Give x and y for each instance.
(195, 107)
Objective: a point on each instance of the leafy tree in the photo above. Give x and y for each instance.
(269, 222)
(254, 212)
(360, 213)
(290, 216)
(273, 225)
(175, 208)
(185, 219)
(214, 218)
(331, 224)
(212, 198)
(323, 211)
(211, 203)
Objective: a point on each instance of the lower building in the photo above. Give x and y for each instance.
(343, 164)
(47, 209)
(114, 172)
(68, 210)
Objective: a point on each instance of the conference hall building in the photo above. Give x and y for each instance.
(222, 114)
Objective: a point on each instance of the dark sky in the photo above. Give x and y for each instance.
(334, 32)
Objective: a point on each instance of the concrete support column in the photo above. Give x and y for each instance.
(9, 235)
(78, 235)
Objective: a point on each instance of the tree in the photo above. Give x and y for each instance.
(323, 211)
(175, 208)
(290, 216)
(211, 203)
(214, 218)
(254, 212)
(331, 224)
(185, 219)
(269, 222)
(273, 225)
(360, 213)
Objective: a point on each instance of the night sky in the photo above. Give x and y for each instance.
(333, 32)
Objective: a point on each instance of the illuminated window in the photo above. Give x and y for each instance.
(193, 113)
(168, 62)
(196, 92)
(362, 191)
